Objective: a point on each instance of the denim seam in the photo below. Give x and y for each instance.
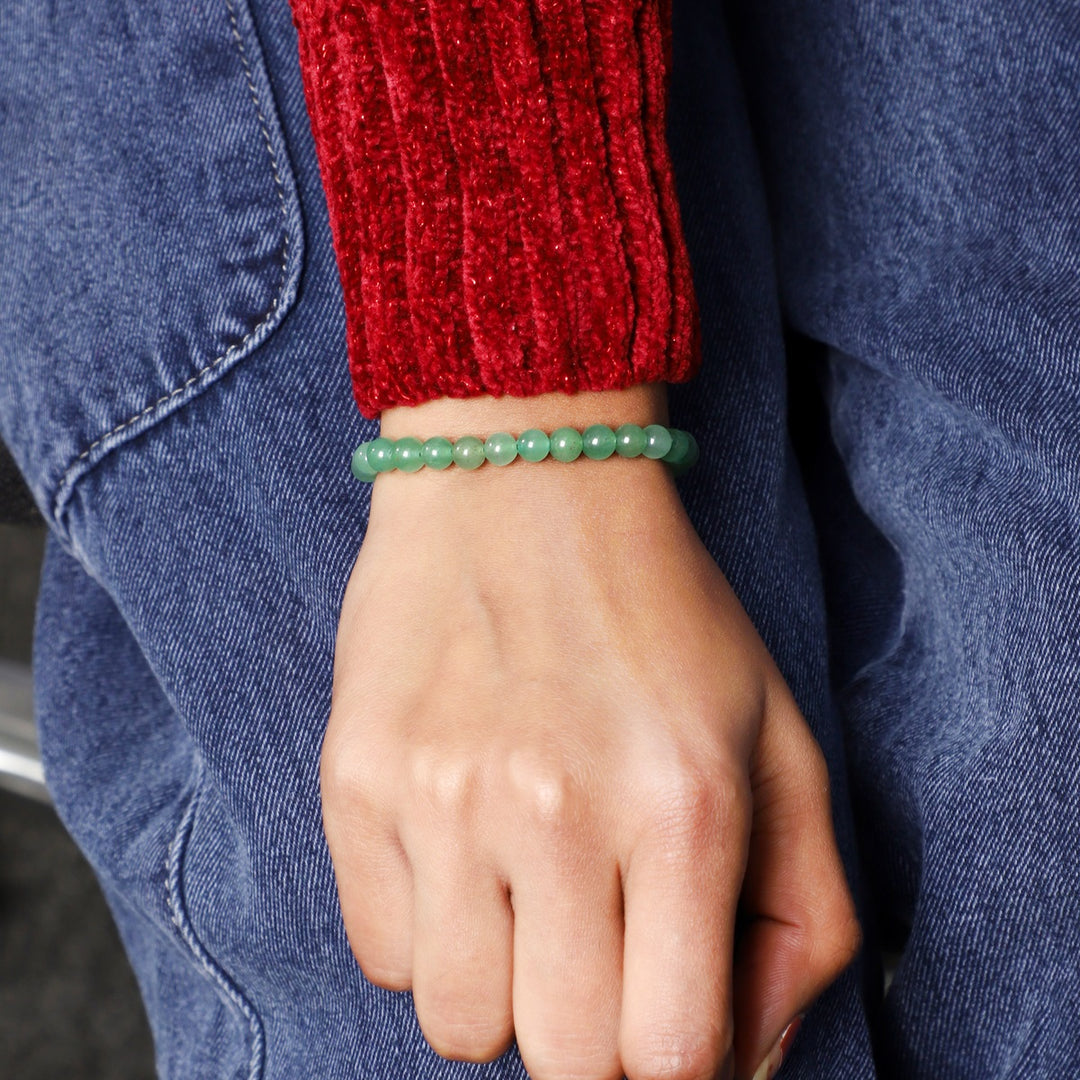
(174, 898)
(68, 480)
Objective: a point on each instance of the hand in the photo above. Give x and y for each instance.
(558, 752)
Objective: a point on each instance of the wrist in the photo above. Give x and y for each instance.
(529, 490)
(642, 404)
(619, 489)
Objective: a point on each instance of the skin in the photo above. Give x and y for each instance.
(558, 755)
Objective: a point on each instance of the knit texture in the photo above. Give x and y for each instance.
(501, 195)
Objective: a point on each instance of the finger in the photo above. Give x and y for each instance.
(681, 894)
(801, 929)
(463, 939)
(374, 879)
(567, 952)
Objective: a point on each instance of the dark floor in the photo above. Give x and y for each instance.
(21, 549)
(69, 1006)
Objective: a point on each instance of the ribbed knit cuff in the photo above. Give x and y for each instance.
(501, 194)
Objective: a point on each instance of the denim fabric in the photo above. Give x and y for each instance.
(151, 227)
(173, 385)
(923, 171)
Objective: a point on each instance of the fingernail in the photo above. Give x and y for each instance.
(771, 1065)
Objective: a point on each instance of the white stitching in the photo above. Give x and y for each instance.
(182, 921)
(279, 185)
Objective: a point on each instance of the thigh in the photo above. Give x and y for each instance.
(208, 521)
(123, 775)
(923, 172)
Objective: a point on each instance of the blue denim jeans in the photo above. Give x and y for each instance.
(882, 196)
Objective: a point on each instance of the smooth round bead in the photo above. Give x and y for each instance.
(380, 454)
(500, 448)
(693, 453)
(408, 454)
(360, 468)
(657, 441)
(533, 445)
(437, 452)
(566, 444)
(630, 440)
(689, 461)
(680, 447)
(598, 442)
(469, 452)
(677, 448)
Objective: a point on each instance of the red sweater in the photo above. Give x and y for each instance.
(501, 195)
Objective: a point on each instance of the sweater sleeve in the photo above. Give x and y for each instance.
(501, 195)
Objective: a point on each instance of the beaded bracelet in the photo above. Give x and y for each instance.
(675, 447)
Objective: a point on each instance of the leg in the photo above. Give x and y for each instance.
(921, 164)
(216, 516)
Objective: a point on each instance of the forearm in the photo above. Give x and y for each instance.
(501, 196)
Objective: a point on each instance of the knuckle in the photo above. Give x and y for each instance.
(546, 794)
(384, 973)
(835, 940)
(465, 1037)
(347, 777)
(697, 806)
(384, 952)
(842, 943)
(677, 1056)
(570, 1059)
(443, 783)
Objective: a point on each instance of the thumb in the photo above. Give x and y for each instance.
(799, 927)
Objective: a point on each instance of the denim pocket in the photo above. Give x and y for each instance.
(246, 1022)
(149, 216)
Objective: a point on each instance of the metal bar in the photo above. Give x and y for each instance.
(20, 761)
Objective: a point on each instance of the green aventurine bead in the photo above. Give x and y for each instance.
(533, 445)
(657, 441)
(693, 453)
(598, 442)
(437, 452)
(468, 452)
(380, 455)
(408, 454)
(629, 440)
(680, 447)
(500, 448)
(566, 444)
(360, 468)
